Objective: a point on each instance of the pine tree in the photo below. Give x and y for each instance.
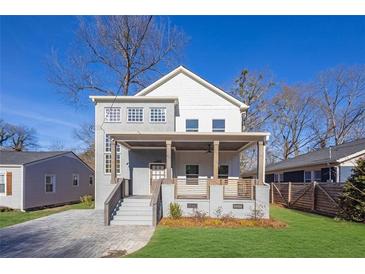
(352, 200)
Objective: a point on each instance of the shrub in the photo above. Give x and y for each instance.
(352, 200)
(258, 212)
(200, 215)
(87, 200)
(228, 217)
(218, 212)
(175, 211)
(6, 209)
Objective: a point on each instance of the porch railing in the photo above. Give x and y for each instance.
(191, 188)
(241, 189)
(113, 199)
(156, 201)
(199, 188)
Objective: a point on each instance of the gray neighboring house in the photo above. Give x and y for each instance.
(37, 179)
(332, 164)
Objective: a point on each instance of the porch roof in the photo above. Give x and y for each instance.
(228, 141)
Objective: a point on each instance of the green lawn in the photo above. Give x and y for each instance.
(307, 235)
(16, 217)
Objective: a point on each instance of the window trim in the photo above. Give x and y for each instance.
(135, 122)
(191, 119)
(53, 183)
(78, 179)
(224, 129)
(157, 122)
(4, 173)
(92, 179)
(120, 115)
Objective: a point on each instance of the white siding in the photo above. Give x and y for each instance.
(198, 102)
(14, 200)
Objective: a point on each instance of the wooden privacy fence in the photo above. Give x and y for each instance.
(316, 197)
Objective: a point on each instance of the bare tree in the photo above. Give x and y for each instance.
(341, 103)
(6, 132)
(116, 55)
(291, 115)
(57, 145)
(86, 134)
(23, 138)
(251, 88)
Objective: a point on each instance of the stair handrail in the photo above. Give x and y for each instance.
(156, 201)
(113, 199)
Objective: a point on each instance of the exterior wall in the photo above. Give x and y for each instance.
(63, 167)
(15, 200)
(197, 102)
(205, 162)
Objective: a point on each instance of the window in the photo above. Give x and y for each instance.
(192, 171)
(157, 115)
(75, 179)
(219, 125)
(192, 125)
(108, 144)
(317, 175)
(2, 184)
(278, 177)
(135, 114)
(108, 163)
(112, 114)
(50, 182)
(307, 176)
(91, 180)
(223, 172)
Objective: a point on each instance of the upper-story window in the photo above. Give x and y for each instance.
(219, 125)
(135, 114)
(112, 114)
(192, 125)
(108, 155)
(157, 115)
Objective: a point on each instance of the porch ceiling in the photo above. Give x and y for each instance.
(190, 140)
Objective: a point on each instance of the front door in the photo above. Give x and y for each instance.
(157, 171)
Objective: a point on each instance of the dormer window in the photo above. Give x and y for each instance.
(135, 115)
(112, 114)
(219, 125)
(157, 115)
(192, 125)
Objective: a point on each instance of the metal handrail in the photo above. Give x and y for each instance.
(113, 199)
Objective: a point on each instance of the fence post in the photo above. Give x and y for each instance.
(289, 193)
(314, 196)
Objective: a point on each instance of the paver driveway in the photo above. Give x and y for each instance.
(73, 233)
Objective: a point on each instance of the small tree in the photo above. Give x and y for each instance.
(352, 200)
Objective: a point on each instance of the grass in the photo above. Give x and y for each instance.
(16, 217)
(307, 235)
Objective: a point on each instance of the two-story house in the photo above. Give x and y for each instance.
(178, 140)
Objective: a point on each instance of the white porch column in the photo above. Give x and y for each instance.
(215, 160)
(168, 161)
(261, 162)
(113, 162)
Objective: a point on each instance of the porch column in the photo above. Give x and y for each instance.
(168, 160)
(261, 162)
(215, 160)
(113, 165)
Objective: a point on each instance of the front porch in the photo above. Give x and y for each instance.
(200, 171)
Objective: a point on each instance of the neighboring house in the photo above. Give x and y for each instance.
(185, 131)
(31, 180)
(332, 164)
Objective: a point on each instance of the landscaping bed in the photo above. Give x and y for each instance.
(220, 222)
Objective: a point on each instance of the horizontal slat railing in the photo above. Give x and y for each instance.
(113, 199)
(191, 188)
(241, 189)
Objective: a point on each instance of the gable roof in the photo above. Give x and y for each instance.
(336, 154)
(26, 157)
(196, 78)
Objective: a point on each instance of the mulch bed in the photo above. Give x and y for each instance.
(221, 222)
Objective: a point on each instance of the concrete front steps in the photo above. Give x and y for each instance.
(134, 210)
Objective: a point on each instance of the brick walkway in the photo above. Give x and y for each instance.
(70, 234)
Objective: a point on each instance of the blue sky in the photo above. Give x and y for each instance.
(294, 48)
